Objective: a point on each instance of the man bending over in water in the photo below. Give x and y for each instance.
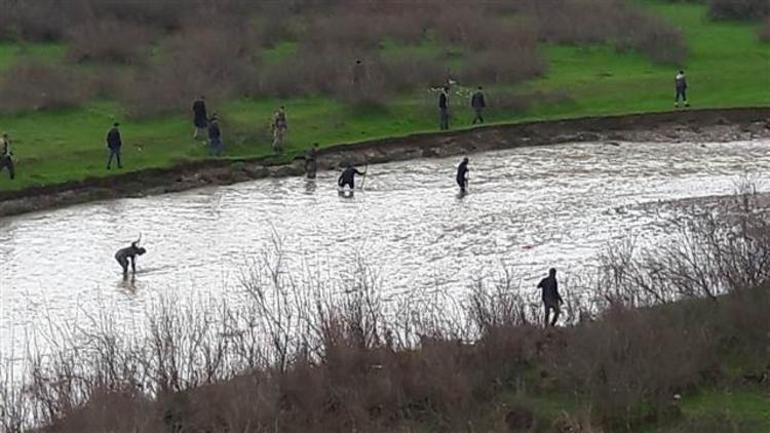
(129, 253)
(348, 177)
(551, 297)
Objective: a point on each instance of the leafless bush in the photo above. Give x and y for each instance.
(35, 85)
(630, 363)
(110, 41)
(502, 67)
(739, 9)
(211, 61)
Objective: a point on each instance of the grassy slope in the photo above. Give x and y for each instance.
(727, 67)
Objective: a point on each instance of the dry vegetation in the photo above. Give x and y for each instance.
(296, 356)
(221, 49)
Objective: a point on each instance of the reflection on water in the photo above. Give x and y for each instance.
(528, 209)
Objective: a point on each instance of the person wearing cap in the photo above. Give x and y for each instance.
(114, 144)
(215, 137)
(6, 156)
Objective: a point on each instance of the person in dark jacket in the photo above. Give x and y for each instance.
(478, 104)
(680, 82)
(6, 155)
(347, 178)
(200, 118)
(551, 298)
(124, 255)
(462, 175)
(215, 137)
(443, 108)
(114, 143)
(311, 161)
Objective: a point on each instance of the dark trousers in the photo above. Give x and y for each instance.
(681, 93)
(462, 183)
(479, 118)
(114, 153)
(444, 119)
(351, 184)
(556, 312)
(7, 162)
(216, 148)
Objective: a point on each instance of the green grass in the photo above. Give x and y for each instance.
(744, 411)
(727, 67)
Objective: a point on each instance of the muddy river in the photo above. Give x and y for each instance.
(527, 209)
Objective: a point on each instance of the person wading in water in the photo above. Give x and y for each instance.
(311, 161)
(462, 176)
(551, 298)
(348, 177)
(129, 253)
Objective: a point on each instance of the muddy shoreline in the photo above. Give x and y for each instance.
(715, 125)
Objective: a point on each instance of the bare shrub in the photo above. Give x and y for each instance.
(739, 9)
(35, 85)
(630, 363)
(503, 67)
(198, 61)
(109, 41)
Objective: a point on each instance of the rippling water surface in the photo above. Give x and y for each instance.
(528, 209)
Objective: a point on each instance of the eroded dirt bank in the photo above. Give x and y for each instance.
(683, 126)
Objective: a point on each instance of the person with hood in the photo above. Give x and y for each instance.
(551, 298)
(478, 104)
(124, 255)
(680, 82)
(114, 144)
(6, 155)
(462, 175)
(347, 178)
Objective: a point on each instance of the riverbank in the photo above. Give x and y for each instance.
(712, 125)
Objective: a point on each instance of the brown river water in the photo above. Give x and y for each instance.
(527, 209)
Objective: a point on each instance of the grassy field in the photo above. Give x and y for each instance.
(727, 67)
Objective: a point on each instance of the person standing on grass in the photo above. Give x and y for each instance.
(551, 298)
(280, 127)
(462, 176)
(680, 82)
(215, 137)
(200, 119)
(114, 143)
(443, 107)
(478, 104)
(311, 161)
(6, 156)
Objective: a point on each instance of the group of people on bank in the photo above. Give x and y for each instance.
(208, 127)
